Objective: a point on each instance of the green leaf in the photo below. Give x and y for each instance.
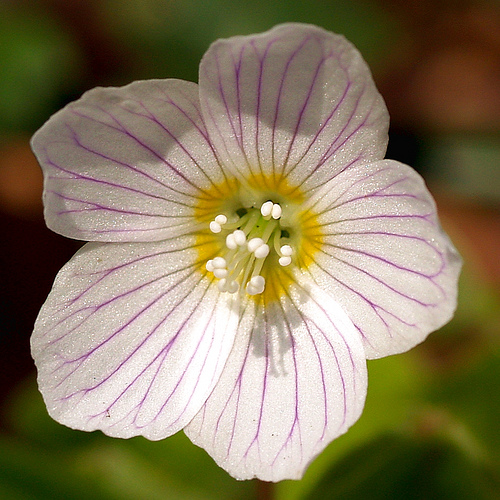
(399, 467)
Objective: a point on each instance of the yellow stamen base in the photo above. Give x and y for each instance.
(254, 247)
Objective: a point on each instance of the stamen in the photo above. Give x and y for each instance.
(217, 223)
(219, 263)
(266, 208)
(276, 211)
(221, 219)
(285, 261)
(232, 286)
(256, 285)
(285, 251)
(254, 243)
(270, 209)
(246, 247)
(220, 273)
(236, 239)
(262, 252)
(215, 227)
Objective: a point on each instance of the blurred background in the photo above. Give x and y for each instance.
(430, 427)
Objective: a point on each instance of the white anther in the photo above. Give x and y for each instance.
(215, 227)
(221, 219)
(231, 241)
(285, 261)
(221, 285)
(276, 211)
(256, 285)
(286, 250)
(220, 273)
(254, 243)
(210, 266)
(219, 263)
(239, 237)
(262, 252)
(266, 208)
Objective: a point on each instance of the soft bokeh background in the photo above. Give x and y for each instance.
(430, 429)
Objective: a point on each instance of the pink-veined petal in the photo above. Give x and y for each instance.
(132, 339)
(296, 100)
(126, 164)
(295, 380)
(384, 256)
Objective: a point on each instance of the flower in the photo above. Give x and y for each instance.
(249, 250)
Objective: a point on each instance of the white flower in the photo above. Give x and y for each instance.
(250, 249)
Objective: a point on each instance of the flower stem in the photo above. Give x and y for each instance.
(264, 490)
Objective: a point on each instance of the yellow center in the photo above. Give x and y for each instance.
(256, 235)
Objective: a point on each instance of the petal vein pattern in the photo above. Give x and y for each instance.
(283, 104)
(132, 339)
(384, 256)
(127, 164)
(295, 380)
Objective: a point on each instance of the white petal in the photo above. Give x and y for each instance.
(132, 339)
(295, 380)
(126, 164)
(384, 256)
(292, 100)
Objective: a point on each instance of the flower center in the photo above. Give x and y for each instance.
(249, 238)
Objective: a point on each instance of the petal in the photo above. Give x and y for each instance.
(296, 100)
(295, 380)
(384, 256)
(126, 164)
(132, 339)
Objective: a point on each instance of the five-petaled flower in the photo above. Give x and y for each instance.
(249, 250)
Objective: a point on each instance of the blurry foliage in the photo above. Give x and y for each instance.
(38, 63)
(168, 38)
(397, 466)
(468, 163)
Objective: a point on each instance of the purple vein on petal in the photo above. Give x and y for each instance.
(305, 104)
(134, 169)
(107, 273)
(151, 117)
(237, 136)
(425, 217)
(95, 308)
(236, 390)
(382, 282)
(201, 131)
(375, 307)
(334, 147)
(386, 261)
(119, 330)
(77, 176)
(262, 60)
(122, 129)
(97, 206)
(163, 354)
(328, 341)
(279, 98)
(141, 344)
(296, 421)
